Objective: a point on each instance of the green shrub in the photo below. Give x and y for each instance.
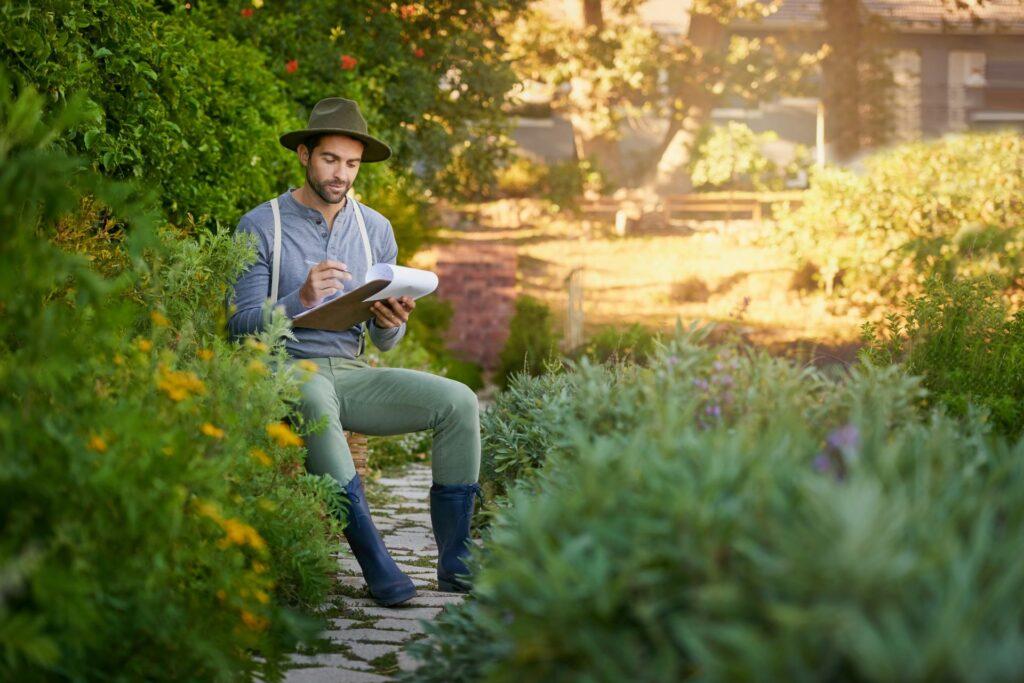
(170, 101)
(813, 529)
(947, 208)
(633, 343)
(960, 338)
(731, 157)
(153, 528)
(532, 341)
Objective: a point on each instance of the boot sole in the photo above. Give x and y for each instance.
(449, 587)
(395, 601)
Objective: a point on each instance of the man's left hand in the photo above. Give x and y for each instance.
(392, 312)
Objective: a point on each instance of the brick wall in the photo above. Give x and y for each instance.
(480, 281)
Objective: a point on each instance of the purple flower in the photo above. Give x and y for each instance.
(822, 463)
(672, 360)
(700, 383)
(719, 365)
(725, 380)
(714, 410)
(846, 438)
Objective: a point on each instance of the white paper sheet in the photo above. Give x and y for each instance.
(402, 281)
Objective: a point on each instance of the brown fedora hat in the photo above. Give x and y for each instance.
(340, 116)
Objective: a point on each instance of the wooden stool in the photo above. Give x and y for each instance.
(357, 444)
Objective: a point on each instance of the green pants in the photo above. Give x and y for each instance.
(378, 401)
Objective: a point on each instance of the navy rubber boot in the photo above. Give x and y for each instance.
(388, 585)
(451, 509)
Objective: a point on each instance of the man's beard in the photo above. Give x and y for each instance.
(321, 190)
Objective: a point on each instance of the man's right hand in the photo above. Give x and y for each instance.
(324, 279)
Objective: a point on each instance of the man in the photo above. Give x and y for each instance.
(327, 240)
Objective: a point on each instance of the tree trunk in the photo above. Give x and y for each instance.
(593, 14)
(841, 75)
(667, 171)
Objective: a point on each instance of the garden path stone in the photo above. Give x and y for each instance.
(332, 675)
(361, 631)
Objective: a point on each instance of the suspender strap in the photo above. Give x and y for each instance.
(276, 269)
(275, 275)
(361, 222)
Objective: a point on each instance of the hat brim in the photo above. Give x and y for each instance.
(373, 149)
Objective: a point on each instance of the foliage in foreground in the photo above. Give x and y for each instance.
(156, 523)
(804, 528)
(959, 337)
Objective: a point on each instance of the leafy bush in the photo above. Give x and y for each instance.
(813, 529)
(156, 523)
(960, 338)
(948, 208)
(731, 157)
(563, 182)
(170, 101)
(531, 343)
(530, 419)
(632, 343)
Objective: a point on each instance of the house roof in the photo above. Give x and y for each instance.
(915, 16)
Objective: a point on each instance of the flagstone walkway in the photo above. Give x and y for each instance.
(366, 643)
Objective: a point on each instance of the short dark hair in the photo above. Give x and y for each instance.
(311, 141)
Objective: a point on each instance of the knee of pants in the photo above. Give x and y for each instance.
(462, 401)
(318, 398)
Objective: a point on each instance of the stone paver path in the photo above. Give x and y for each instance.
(366, 643)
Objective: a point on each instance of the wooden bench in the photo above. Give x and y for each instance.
(600, 209)
(729, 205)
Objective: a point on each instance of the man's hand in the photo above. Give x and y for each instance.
(324, 279)
(392, 312)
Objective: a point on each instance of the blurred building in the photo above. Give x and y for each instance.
(954, 70)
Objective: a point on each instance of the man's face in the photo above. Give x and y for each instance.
(332, 167)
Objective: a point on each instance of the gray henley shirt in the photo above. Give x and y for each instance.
(305, 241)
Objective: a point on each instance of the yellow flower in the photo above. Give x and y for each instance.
(118, 359)
(209, 510)
(241, 533)
(178, 385)
(261, 596)
(257, 367)
(257, 3)
(261, 456)
(283, 434)
(308, 365)
(97, 444)
(257, 344)
(211, 431)
(248, 618)
(144, 344)
(259, 567)
(205, 354)
(159, 319)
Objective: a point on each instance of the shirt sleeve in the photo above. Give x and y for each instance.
(386, 338)
(253, 287)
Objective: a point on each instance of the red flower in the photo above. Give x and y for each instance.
(291, 66)
(247, 12)
(418, 52)
(407, 11)
(348, 62)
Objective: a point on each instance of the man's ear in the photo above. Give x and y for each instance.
(303, 153)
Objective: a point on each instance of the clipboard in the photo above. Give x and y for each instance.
(343, 312)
